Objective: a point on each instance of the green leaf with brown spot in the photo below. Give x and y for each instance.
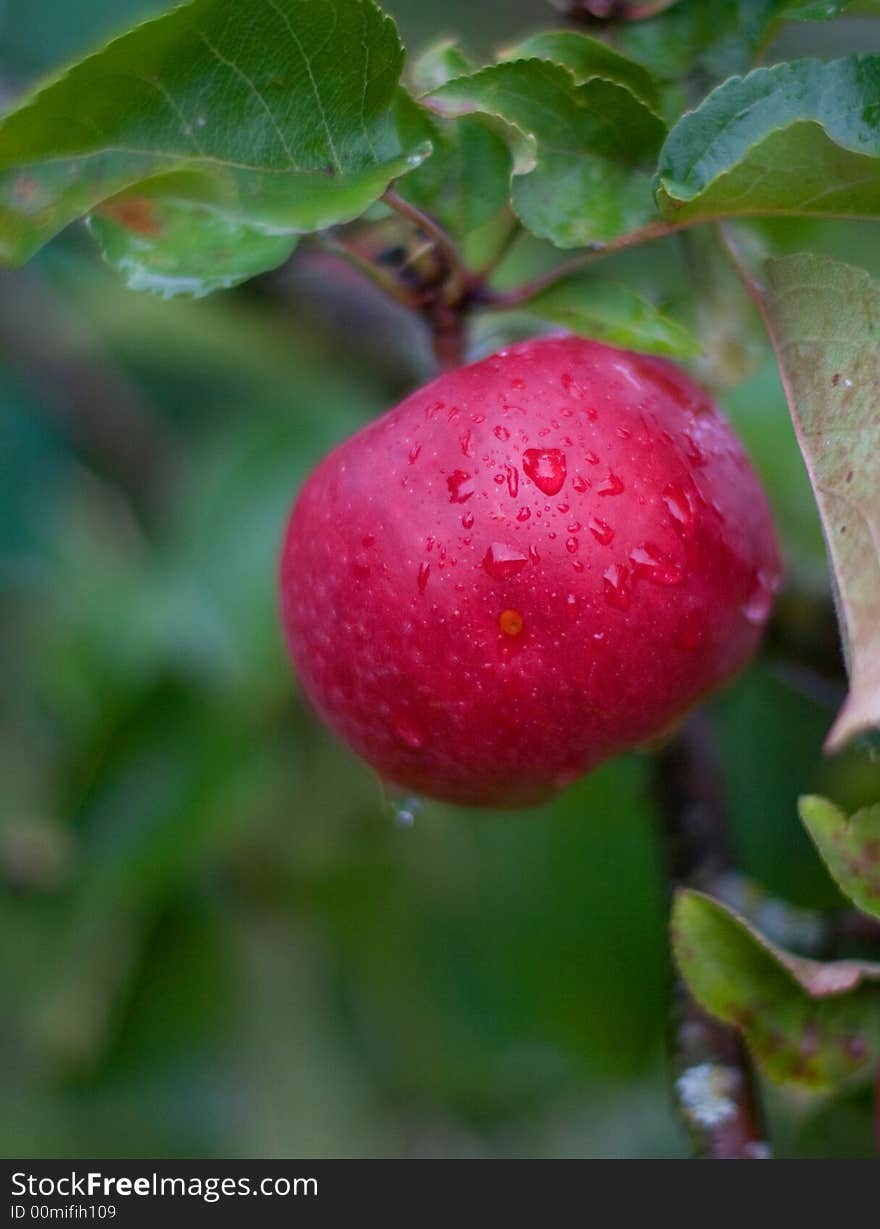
(275, 114)
(850, 847)
(824, 319)
(805, 1022)
(173, 248)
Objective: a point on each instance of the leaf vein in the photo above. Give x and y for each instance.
(255, 91)
(334, 156)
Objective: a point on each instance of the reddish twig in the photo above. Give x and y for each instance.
(506, 300)
(447, 297)
(431, 228)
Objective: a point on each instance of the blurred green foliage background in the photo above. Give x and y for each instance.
(214, 939)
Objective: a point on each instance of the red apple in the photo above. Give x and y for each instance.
(529, 565)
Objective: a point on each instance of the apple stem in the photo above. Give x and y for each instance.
(431, 228)
(445, 298)
(449, 336)
(439, 284)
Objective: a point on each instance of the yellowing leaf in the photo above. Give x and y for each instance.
(806, 1023)
(849, 846)
(825, 324)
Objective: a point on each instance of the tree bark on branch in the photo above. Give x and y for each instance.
(714, 1084)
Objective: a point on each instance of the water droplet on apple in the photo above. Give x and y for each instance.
(757, 606)
(406, 809)
(693, 452)
(601, 531)
(503, 562)
(422, 578)
(456, 483)
(612, 485)
(679, 508)
(655, 565)
(546, 467)
(617, 586)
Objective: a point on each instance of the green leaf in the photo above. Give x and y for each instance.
(586, 58)
(467, 179)
(173, 247)
(814, 10)
(439, 64)
(806, 1023)
(614, 313)
(276, 114)
(801, 137)
(850, 848)
(582, 152)
(825, 10)
(823, 317)
(714, 38)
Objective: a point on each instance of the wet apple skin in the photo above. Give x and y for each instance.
(528, 565)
